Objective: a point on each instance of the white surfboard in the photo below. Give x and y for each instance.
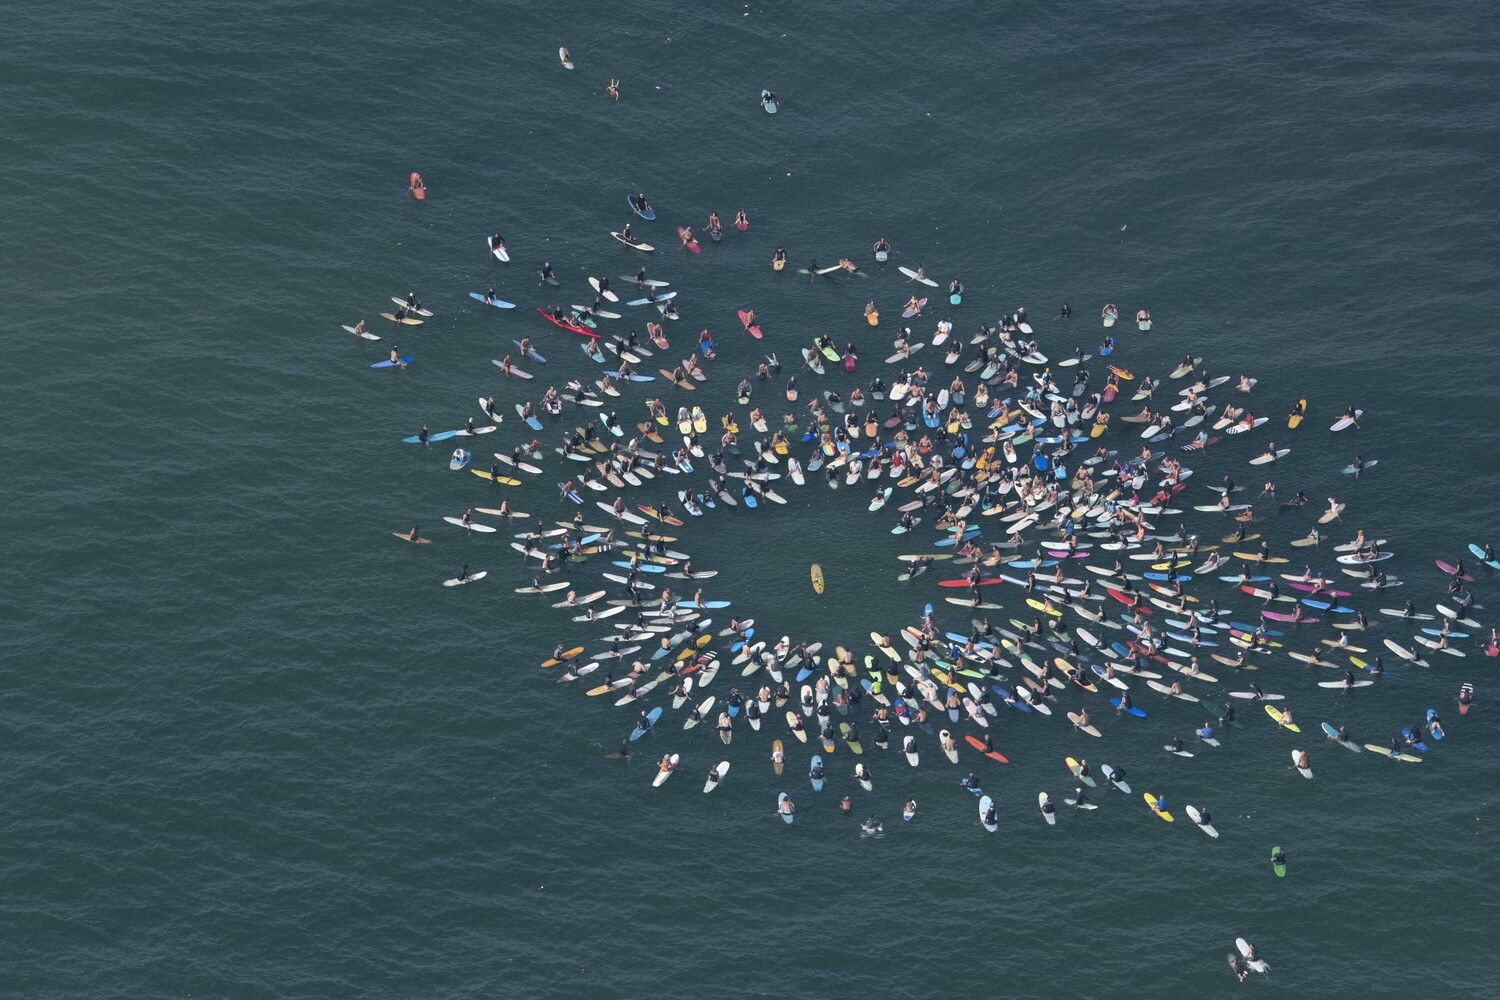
(662, 776)
(914, 276)
(456, 582)
(484, 529)
(720, 769)
(1197, 818)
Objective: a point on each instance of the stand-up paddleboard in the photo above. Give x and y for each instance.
(632, 244)
(456, 582)
(766, 102)
(393, 364)
(1197, 818)
(497, 303)
(366, 334)
(716, 776)
(914, 276)
(662, 776)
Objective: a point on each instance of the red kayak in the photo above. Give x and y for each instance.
(582, 331)
(752, 329)
(686, 236)
(978, 744)
(986, 582)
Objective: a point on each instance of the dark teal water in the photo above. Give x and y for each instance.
(254, 750)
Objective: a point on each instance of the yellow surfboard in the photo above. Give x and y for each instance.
(1151, 801)
(817, 578)
(1275, 713)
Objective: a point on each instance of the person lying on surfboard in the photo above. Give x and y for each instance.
(847, 264)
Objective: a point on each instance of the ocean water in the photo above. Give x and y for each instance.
(253, 749)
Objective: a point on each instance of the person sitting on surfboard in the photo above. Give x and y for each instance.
(881, 246)
(768, 99)
(625, 234)
(1066, 312)
(714, 225)
(359, 328)
(416, 182)
(741, 220)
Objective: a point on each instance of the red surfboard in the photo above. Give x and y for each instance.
(752, 330)
(415, 186)
(691, 244)
(978, 744)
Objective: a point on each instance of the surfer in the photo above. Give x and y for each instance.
(544, 272)
(613, 90)
(1067, 313)
(417, 185)
(768, 99)
(359, 328)
(882, 249)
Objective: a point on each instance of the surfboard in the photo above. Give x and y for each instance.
(1197, 818)
(367, 335)
(766, 102)
(914, 276)
(632, 244)
(456, 582)
(817, 578)
(720, 769)
(497, 303)
(394, 364)
(1151, 801)
(1275, 714)
(648, 213)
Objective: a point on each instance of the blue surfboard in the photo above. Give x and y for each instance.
(392, 364)
(649, 214)
(497, 303)
(1132, 710)
(651, 717)
(439, 436)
